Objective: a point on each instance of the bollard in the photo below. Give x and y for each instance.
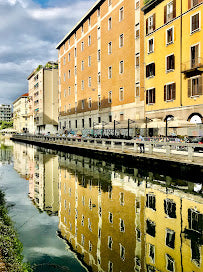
(150, 148)
(168, 150)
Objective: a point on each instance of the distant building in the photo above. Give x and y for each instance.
(5, 112)
(20, 111)
(43, 99)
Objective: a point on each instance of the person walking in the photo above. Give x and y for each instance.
(142, 149)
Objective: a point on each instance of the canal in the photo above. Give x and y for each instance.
(74, 213)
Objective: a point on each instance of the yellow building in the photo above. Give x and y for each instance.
(100, 67)
(173, 60)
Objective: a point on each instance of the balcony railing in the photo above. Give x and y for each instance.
(193, 64)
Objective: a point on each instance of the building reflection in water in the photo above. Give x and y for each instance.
(117, 219)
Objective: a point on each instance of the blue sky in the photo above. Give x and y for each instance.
(29, 33)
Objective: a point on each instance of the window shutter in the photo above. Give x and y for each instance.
(153, 67)
(165, 10)
(147, 26)
(189, 218)
(147, 71)
(173, 91)
(154, 23)
(153, 95)
(147, 102)
(173, 61)
(167, 63)
(189, 87)
(174, 8)
(189, 4)
(164, 92)
(200, 85)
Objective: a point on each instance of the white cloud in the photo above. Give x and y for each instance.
(29, 34)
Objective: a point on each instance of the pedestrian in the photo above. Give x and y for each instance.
(142, 149)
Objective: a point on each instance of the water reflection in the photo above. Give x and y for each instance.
(114, 218)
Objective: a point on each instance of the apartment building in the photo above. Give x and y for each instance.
(173, 60)
(20, 113)
(43, 99)
(100, 67)
(5, 113)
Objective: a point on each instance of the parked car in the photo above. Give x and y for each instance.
(198, 140)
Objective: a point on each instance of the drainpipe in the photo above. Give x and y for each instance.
(181, 42)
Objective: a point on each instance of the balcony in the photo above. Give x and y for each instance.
(192, 66)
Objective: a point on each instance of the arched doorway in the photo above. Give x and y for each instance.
(195, 118)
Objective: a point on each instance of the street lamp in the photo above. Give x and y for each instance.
(114, 127)
(130, 122)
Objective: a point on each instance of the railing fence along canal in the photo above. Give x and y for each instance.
(165, 147)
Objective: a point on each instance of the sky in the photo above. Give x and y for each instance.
(29, 33)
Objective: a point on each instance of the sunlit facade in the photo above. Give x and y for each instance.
(20, 113)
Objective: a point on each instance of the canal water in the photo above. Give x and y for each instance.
(74, 213)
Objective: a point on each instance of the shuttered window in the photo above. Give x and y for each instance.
(150, 96)
(195, 22)
(195, 86)
(169, 11)
(192, 3)
(170, 92)
(150, 24)
(150, 70)
(170, 63)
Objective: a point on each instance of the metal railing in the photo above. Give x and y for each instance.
(192, 64)
(166, 147)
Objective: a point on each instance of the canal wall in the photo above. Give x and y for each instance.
(174, 167)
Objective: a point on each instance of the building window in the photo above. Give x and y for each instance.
(169, 11)
(195, 23)
(64, 60)
(110, 218)
(82, 29)
(110, 118)
(110, 97)
(90, 103)
(109, 48)
(170, 238)
(82, 84)
(170, 263)
(109, 2)
(89, 40)
(150, 24)
(170, 208)
(64, 79)
(89, 21)
(110, 242)
(195, 86)
(150, 96)
(99, 55)
(98, 12)
(75, 52)
(121, 94)
(89, 61)
(122, 225)
(192, 3)
(138, 235)
(83, 125)
(109, 23)
(195, 220)
(68, 73)
(170, 92)
(110, 266)
(137, 4)
(152, 252)
(69, 124)
(121, 40)
(69, 91)
(69, 107)
(82, 65)
(90, 122)
(98, 33)
(150, 45)
(82, 46)
(151, 202)
(83, 105)
(122, 199)
(89, 82)
(137, 61)
(110, 72)
(137, 34)
(121, 67)
(150, 70)
(170, 63)
(195, 56)
(99, 78)
(169, 36)
(151, 228)
(137, 89)
(99, 119)
(68, 56)
(122, 252)
(121, 14)
(75, 70)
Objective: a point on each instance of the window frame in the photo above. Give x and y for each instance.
(121, 90)
(170, 69)
(171, 42)
(121, 40)
(121, 67)
(197, 29)
(149, 52)
(121, 14)
(153, 102)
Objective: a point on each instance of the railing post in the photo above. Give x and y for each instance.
(150, 148)
(103, 143)
(122, 146)
(168, 150)
(135, 146)
(112, 144)
(190, 153)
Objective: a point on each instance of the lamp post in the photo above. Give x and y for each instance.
(114, 127)
(129, 122)
(94, 123)
(147, 120)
